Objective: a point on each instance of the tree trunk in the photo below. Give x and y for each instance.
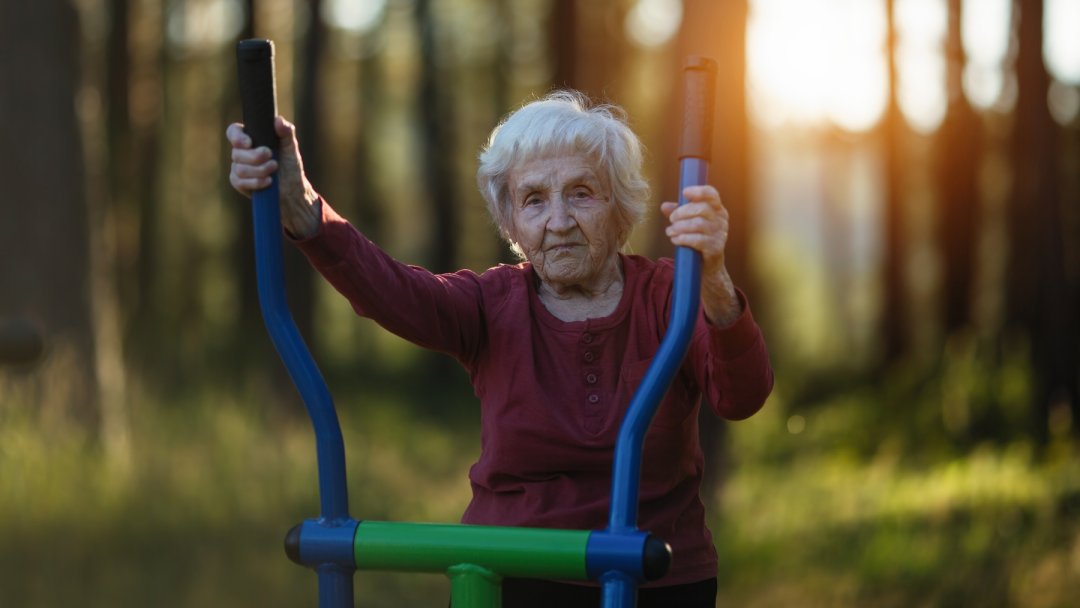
(138, 258)
(894, 315)
(717, 30)
(588, 47)
(435, 117)
(44, 244)
(106, 137)
(299, 275)
(1038, 286)
(958, 146)
(562, 38)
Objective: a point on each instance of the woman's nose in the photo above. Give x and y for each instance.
(562, 216)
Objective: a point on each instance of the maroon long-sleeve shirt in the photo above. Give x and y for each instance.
(553, 393)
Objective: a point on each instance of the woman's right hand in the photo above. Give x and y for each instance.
(252, 168)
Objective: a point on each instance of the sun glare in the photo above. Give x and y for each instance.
(823, 61)
(651, 23)
(985, 29)
(921, 26)
(353, 15)
(811, 62)
(1062, 25)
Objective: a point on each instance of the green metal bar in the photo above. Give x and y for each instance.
(473, 586)
(518, 552)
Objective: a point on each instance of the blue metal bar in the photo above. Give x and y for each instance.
(685, 304)
(607, 551)
(335, 581)
(619, 590)
(322, 541)
(626, 477)
(335, 586)
(330, 448)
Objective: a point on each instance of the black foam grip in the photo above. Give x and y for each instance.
(258, 90)
(699, 82)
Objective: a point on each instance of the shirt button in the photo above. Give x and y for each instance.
(587, 338)
(591, 378)
(594, 398)
(589, 356)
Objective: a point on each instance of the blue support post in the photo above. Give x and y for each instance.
(335, 527)
(619, 589)
(330, 536)
(686, 301)
(290, 346)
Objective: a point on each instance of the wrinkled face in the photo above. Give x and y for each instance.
(564, 220)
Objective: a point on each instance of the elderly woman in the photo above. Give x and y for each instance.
(556, 345)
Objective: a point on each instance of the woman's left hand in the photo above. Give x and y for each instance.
(702, 224)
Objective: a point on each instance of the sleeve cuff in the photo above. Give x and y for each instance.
(328, 245)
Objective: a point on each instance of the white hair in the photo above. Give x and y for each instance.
(565, 122)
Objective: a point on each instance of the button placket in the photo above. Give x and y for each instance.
(590, 354)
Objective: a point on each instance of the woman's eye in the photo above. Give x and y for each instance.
(532, 201)
(581, 194)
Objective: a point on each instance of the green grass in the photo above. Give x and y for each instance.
(197, 517)
(843, 504)
(823, 507)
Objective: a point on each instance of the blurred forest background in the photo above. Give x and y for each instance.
(904, 183)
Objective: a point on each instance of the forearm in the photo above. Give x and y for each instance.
(736, 375)
(719, 300)
(301, 215)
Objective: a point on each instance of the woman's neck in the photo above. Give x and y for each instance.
(580, 302)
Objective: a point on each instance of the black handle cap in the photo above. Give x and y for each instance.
(655, 558)
(292, 544)
(258, 90)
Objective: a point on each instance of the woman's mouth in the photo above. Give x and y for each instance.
(562, 247)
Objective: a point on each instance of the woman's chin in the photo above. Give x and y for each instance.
(564, 270)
